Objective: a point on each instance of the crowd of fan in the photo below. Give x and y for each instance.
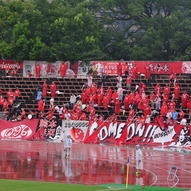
(159, 106)
(134, 103)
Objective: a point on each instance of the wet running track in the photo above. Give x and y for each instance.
(92, 164)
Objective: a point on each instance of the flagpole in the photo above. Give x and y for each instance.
(127, 176)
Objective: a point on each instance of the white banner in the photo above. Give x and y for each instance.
(77, 129)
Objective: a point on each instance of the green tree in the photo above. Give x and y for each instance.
(43, 30)
(151, 30)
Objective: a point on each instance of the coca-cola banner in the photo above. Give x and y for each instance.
(110, 67)
(147, 134)
(12, 64)
(24, 129)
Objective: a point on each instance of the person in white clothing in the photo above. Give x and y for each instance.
(44, 70)
(139, 160)
(89, 79)
(67, 145)
(72, 101)
(169, 114)
(52, 102)
(148, 119)
(119, 81)
(120, 93)
(183, 121)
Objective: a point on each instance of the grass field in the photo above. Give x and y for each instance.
(19, 185)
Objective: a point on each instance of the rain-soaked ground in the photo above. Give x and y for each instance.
(93, 164)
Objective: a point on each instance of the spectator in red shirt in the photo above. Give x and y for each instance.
(53, 89)
(106, 102)
(84, 97)
(134, 72)
(140, 104)
(142, 87)
(128, 82)
(23, 113)
(78, 112)
(41, 105)
(126, 102)
(92, 111)
(172, 106)
(11, 100)
(9, 93)
(115, 96)
(147, 71)
(176, 92)
(189, 104)
(7, 68)
(184, 99)
(17, 94)
(173, 79)
(63, 68)
(2, 100)
(117, 106)
(165, 99)
(13, 71)
(147, 110)
(166, 91)
(157, 89)
(37, 69)
(109, 92)
(181, 114)
(131, 98)
(5, 104)
(119, 69)
(44, 89)
(50, 114)
(91, 99)
(83, 117)
(164, 110)
(100, 99)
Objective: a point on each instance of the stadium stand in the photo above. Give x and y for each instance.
(68, 86)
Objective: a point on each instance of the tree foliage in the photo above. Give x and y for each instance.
(150, 29)
(42, 30)
(95, 30)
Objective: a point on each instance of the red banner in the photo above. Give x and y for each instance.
(11, 63)
(147, 134)
(18, 129)
(110, 67)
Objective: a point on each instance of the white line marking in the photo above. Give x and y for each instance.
(112, 188)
